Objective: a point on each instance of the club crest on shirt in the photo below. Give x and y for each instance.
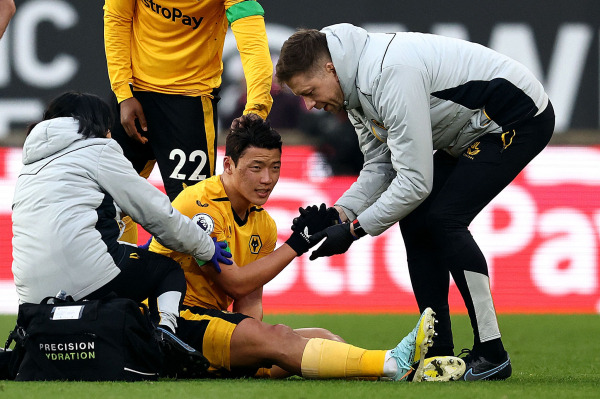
(255, 244)
(205, 221)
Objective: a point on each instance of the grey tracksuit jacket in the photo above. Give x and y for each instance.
(408, 94)
(66, 208)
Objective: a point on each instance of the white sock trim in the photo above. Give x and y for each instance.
(168, 309)
(390, 366)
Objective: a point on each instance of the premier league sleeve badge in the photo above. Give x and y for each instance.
(205, 221)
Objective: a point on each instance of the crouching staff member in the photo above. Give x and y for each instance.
(69, 195)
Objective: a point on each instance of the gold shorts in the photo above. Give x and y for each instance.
(211, 330)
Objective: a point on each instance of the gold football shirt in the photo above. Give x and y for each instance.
(176, 47)
(249, 239)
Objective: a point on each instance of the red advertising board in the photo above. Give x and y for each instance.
(541, 237)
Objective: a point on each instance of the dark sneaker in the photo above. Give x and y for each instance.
(180, 359)
(479, 368)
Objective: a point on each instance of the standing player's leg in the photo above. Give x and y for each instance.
(141, 157)
(183, 138)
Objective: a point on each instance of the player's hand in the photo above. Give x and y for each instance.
(338, 240)
(131, 110)
(310, 221)
(221, 255)
(328, 217)
(240, 122)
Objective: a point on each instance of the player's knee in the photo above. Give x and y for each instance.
(281, 330)
(326, 334)
(331, 336)
(274, 341)
(316, 332)
(263, 334)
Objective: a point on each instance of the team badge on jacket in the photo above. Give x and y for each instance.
(472, 150)
(379, 130)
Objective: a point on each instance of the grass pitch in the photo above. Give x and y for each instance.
(553, 356)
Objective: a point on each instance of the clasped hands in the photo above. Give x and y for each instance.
(313, 225)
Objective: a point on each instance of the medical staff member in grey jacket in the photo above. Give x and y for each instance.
(70, 194)
(444, 126)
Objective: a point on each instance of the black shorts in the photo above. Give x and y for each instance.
(182, 138)
(144, 274)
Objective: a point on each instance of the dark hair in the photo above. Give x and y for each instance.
(94, 115)
(250, 131)
(300, 52)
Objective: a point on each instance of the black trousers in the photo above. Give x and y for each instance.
(144, 275)
(182, 138)
(436, 234)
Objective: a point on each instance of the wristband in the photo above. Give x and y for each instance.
(358, 230)
(299, 242)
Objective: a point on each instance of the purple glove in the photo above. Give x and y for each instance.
(221, 255)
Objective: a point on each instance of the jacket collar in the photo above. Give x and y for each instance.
(346, 43)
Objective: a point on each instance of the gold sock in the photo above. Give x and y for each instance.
(323, 358)
(130, 234)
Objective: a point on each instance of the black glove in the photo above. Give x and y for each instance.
(310, 221)
(328, 217)
(333, 216)
(338, 241)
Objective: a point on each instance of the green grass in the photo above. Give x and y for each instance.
(553, 356)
